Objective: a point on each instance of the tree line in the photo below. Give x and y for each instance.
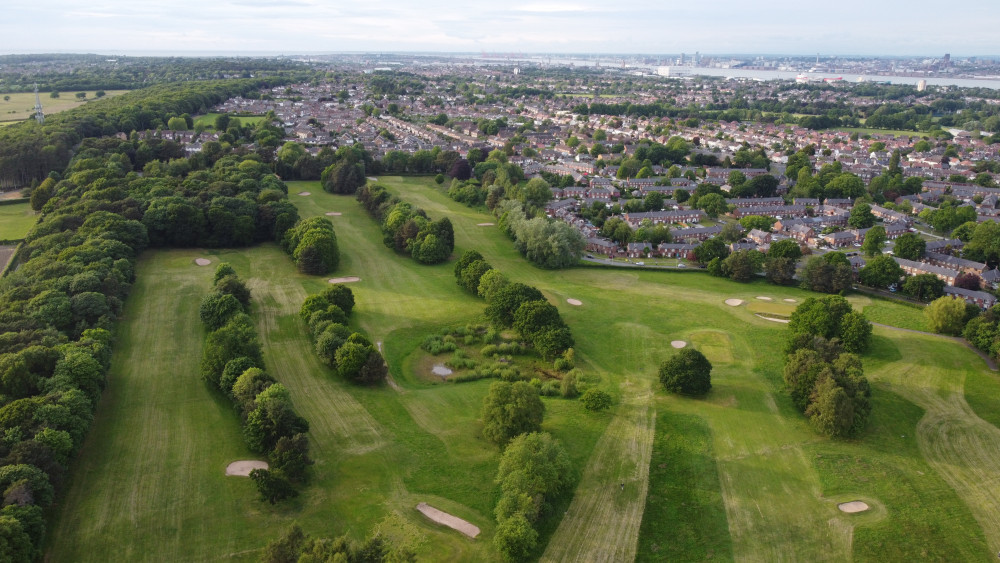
(349, 353)
(233, 363)
(823, 373)
(60, 304)
(29, 150)
(406, 228)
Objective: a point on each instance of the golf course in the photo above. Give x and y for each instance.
(738, 475)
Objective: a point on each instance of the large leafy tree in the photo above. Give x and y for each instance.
(511, 409)
(687, 373)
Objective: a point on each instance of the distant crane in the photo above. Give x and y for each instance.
(39, 116)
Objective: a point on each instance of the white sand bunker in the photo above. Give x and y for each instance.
(347, 279)
(789, 300)
(484, 224)
(202, 261)
(244, 467)
(762, 298)
(772, 319)
(678, 343)
(305, 193)
(453, 522)
(441, 369)
(333, 214)
(576, 302)
(853, 506)
(734, 302)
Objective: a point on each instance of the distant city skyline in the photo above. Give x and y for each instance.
(847, 27)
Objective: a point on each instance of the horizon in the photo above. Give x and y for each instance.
(532, 26)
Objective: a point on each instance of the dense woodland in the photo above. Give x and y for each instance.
(76, 266)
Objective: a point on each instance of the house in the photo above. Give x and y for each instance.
(664, 217)
(696, 233)
(944, 245)
(801, 233)
(955, 263)
(979, 298)
(890, 216)
(760, 237)
(676, 250)
(601, 246)
(840, 239)
(916, 268)
(771, 211)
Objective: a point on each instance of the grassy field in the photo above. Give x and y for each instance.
(16, 220)
(21, 105)
(208, 120)
(737, 475)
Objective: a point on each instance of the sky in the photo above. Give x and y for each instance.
(839, 27)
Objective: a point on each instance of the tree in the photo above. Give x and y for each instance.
(217, 309)
(688, 373)
(272, 486)
(780, 271)
(968, 280)
(829, 273)
(855, 332)
(984, 246)
(515, 539)
(785, 248)
(861, 216)
(874, 241)
(760, 222)
(742, 265)
(506, 300)
(511, 409)
(910, 246)
(710, 249)
(946, 315)
(924, 287)
(831, 412)
(594, 399)
(177, 124)
(880, 272)
(713, 204)
(731, 232)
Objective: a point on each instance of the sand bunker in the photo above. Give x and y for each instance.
(762, 298)
(788, 300)
(244, 467)
(734, 302)
(576, 302)
(853, 506)
(441, 369)
(484, 224)
(348, 279)
(333, 214)
(678, 343)
(202, 261)
(305, 193)
(772, 319)
(453, 522)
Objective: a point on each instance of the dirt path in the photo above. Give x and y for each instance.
(602, 523)
(990, 362)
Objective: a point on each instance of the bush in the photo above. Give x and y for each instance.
(596, 400)
(946, 315)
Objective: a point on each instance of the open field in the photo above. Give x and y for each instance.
(737, 475)
(16, 220)
(21, 105)
(208, 120)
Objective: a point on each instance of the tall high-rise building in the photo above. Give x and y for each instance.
(921, 85)
(947, 59)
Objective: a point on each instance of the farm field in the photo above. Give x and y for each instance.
(21, 105)
(208, 120)
(737, 475)
(16, 220)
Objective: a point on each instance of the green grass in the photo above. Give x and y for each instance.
(684, 492)
(21, 105)
(889, 312)
(737, 475)
(16, 220)
(208, 120)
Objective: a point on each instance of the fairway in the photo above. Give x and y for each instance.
(21, 105)
(15, 220)
(736, 475)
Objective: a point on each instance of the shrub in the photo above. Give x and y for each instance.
(596, 400)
